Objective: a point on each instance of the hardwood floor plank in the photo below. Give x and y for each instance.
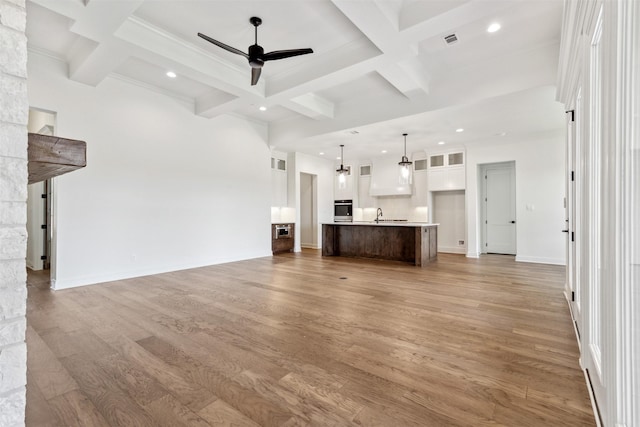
(76, 410)
(142, 388)
(114, 404)
(244, 400)
(219, 414)
(170, 413)
(191, 394)
(38, 411)
(285, 341)
(45, 369)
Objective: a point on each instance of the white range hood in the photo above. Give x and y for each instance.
(384, 179)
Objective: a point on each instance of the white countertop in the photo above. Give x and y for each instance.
(385, 224)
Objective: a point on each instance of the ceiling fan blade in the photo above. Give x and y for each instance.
(222, 45)
(281, 54)
(255, 75)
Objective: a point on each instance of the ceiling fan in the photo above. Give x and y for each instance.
(256, 55)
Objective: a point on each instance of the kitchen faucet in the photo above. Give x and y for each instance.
(378, 215)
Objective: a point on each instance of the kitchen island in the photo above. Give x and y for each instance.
(412, 242)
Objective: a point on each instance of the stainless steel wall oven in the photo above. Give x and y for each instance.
(343, 211)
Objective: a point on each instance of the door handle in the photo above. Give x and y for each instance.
(513, 222)
(565, 231)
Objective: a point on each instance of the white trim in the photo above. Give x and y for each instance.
(540, 260)
(74, 282)
(452, 250)
(592, 398)
(473, 255)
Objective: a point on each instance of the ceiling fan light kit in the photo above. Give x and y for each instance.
(256, 55)
(405, 175)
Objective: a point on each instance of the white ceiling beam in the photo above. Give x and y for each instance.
(100, 19)
(378, 21)
(311, 105)
(91, 64)
(216, 103)
(95, 54)
(401, 79)
(374, 23)
(341, 65)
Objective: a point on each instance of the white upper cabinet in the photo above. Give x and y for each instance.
(447, 171)
(279, 180)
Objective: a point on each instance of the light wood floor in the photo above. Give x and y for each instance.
(298, 339)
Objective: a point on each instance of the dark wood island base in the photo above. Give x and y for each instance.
(414, 243)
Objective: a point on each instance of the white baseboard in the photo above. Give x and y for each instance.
(452, 249)
(540, 260)
(473, 255)
(594, 405)
(74, 282)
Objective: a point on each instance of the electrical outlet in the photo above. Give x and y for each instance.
(460, 242)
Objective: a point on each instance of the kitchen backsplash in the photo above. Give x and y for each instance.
(393, 207)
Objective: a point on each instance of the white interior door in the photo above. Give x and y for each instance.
(500, 209)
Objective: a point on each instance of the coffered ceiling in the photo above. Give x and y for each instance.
(379, 67)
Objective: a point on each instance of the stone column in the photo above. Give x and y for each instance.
(14, 112)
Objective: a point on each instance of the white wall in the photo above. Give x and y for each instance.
(163, 188)
(324, 170)
(539, 184)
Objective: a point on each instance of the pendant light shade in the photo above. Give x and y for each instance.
(342, 172)
(405, 175)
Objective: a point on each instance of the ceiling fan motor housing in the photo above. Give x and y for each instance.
(255, 56)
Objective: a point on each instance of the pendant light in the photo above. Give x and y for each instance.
(404, 176)
(342, 172)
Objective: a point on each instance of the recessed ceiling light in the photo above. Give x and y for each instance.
(441, 143)
(262, 108)
(384, 151)
(502, 134)
(493, 27)
(338, 158)
(171, 74)
(459, 130)
(321, 153)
